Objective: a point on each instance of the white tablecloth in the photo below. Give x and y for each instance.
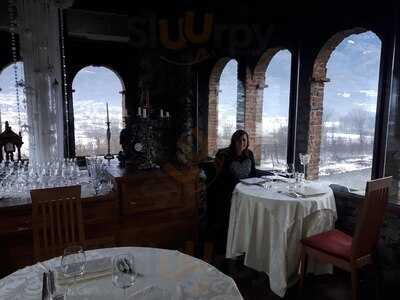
(268, 225)
(182, 276)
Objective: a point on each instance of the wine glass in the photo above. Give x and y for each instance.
(304, 160)
(290, 170)
(123, 275)
(73, 262)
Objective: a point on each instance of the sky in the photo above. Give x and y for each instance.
(8, 102)
(353, 70)
(8, 99)
(93, 88)
(226, 97)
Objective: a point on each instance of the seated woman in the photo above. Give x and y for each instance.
(233, 163)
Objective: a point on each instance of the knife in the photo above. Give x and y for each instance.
(45, 292)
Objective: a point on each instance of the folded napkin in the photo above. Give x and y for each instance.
(94, 269)
(253, 180)
(310, 191)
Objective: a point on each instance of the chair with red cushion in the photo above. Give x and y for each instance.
(346, 252)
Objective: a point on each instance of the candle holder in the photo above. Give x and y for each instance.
(146, 136)
(145, 141)
(108, 156)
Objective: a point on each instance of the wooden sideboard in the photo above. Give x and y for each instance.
(152, 208)
(157, 208)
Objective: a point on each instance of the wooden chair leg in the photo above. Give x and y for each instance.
(303, 268)
(354, 283)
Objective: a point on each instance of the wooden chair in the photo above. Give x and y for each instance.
(56, 220)
(346, 252)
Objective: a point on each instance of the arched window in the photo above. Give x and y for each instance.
(222, 104)
(8, 102)
(227, 104)
(94, 87)
(275, 111)
(348, 103)
(268, 102)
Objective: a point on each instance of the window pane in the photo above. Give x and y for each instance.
(349, 111)
(275, 114)
(94, 87)
(227, 104)
(8, 103)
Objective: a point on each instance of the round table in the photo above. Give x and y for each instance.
(182, 276)
(267, 225)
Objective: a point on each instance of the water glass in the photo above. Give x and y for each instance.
(73, 262)
(290, 170)
(123, 274)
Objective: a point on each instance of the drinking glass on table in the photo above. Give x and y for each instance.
(123, 274)
(290, 170)
(73, 263)
(304, 161)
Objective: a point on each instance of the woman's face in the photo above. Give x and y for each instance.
(241, 144)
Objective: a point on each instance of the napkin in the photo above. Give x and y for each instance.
(253, 180)
(94, 269)
(309, 191)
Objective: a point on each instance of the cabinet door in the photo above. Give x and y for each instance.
(150, 194)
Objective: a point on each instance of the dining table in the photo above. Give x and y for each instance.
(267, 221)
(169, 273)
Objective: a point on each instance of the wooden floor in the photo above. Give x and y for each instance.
(254, 285)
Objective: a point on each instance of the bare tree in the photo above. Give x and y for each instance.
(359, 119)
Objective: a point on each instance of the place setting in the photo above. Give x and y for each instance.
(288, 181)
(116, 277)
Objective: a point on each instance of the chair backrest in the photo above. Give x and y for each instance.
(57, 220)
(371, 216)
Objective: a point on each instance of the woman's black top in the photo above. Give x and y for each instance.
(232, 169)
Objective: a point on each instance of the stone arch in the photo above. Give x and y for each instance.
(317, 85)
(254, 100)
(213, 90)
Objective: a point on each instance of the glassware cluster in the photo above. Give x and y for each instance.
(97, 172)
(18, 178)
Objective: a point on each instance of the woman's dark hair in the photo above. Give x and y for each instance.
(235, 137)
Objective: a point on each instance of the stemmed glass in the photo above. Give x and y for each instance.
(290, 173)
(124, 274)
(304, 160)
(73, 262)
(290, 170)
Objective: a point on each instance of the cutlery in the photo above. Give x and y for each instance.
(45, 292)
(52, 285)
